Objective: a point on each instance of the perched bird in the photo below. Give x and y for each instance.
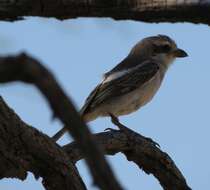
(133, 82)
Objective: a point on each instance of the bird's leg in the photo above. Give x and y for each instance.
(128, 131)
(116, 122)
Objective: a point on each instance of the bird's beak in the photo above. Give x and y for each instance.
(179, 53)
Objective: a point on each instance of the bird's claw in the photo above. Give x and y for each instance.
(122, 127)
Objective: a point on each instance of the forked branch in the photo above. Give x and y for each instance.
(137, 148)
(26, 69)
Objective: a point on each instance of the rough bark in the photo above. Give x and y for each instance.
(24, 149)
(26, 69)
(142, 10)
(141, 151)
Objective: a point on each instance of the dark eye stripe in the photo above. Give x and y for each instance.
(162, 48)
(166, 48)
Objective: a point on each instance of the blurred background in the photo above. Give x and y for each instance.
(79, 51)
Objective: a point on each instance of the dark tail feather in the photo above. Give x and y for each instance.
(61, 132)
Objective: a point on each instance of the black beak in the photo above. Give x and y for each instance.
(180, 53)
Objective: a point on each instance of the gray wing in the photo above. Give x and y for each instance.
(127, 63)
(120, 86)
(89, 99)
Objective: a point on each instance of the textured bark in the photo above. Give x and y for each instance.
(143, 10)
(24, 149)
(141, 151)
(26, 69)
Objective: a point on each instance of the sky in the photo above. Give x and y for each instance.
(79, 51)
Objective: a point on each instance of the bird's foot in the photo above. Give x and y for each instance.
(116, 122)
(128, 131)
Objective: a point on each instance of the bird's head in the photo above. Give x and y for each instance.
(160, 47)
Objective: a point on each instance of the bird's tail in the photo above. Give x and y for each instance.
(86, 115)
(86, 118)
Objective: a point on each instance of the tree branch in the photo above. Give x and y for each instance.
(26, 69)
(142, 10)
(141, 151)
(23, 149)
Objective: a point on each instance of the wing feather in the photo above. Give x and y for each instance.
(120, 86)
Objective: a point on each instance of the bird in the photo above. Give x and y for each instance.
(133, 82)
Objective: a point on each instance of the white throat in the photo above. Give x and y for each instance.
(164, 60)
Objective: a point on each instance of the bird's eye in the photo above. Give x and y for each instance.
(165, 48)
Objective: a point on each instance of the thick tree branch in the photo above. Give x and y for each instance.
(26, 69)
(141, 151)
(24, 149)
(142, 10)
